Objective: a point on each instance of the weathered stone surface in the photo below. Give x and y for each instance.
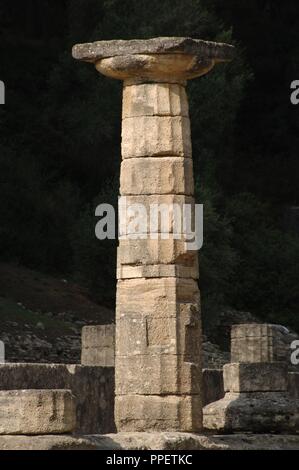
(158, 413)
(51, 442)
(144, 68)
(151, 136)
(37, 412)
(163, 297)
(255, 377)
(157, 175)
(157, 336)
(157, 375)
(158, 270)
(92, 52)
(212, 385)
(256, 330)
(168, 213)
(293, 384)
(161, 59)
(155, 99)
(98, 344)
(254, 412)
(95, 336)
(187, 441)
(156, 151)
(152, 441)
(93, 388)
(258, 343)
(97, 357)
(150, 251)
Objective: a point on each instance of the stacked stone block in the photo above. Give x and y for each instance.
(158, 327)
(158, 355)
(257, 397)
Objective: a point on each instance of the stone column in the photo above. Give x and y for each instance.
(158, 328)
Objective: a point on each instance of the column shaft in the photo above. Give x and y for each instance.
(158, 327)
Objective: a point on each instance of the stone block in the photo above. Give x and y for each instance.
(258, 343)
(157, 375)
(158, 413)
(97, 357)
(37, 412)
(158, 270)
(155, 99)
(154, 48)
(165, 214)
(212, 385)
(98, 345)
(162, 297)
(93, 388)
(151, 136)
(150, 251)
(150, 335)
(258, 412)
(155, 175)
(46, 442)
(255, 377)
(98, 336)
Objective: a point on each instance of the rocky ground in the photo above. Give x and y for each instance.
(42, 318)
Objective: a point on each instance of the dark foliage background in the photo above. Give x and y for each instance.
(60, 144)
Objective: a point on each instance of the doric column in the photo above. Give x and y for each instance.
(158, 327)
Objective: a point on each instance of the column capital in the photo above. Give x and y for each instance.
(171, 60)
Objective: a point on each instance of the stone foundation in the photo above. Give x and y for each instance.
(257, 398)
(93, 388)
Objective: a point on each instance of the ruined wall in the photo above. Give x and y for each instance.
(93, 388)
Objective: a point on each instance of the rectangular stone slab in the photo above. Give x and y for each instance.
(158, 413)
(93, 388)
(255, 412)
(259, 377)
(92, 52)
(37, 412)
(156, 175)
(151, 136)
